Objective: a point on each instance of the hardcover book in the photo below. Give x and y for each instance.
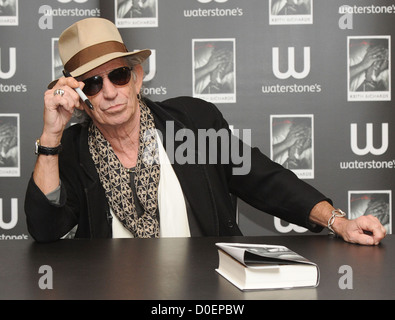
(261, 266)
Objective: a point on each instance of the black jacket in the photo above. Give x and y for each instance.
(207, 187)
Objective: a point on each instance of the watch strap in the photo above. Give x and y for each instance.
(39, 149)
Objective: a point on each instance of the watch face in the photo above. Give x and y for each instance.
(46, 150)
(36, 147)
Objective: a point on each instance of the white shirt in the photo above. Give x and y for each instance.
(172, 209)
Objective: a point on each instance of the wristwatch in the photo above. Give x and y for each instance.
(39, 149)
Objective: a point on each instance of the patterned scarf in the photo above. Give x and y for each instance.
(115, 178)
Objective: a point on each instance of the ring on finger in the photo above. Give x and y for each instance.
(58, 92)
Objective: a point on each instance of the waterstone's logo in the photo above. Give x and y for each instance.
(48, 13)
(370, 145)
(369, 148)
(9, 72)
(10, 223)
(213, 11)
(12, 64)
(291, 72)
(286, 66)
(150, 89)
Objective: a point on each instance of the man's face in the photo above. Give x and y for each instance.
(114, 105)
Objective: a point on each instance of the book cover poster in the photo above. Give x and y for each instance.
(9, 145)
(136, 13)
(292, 143)
(369, 65)
(371, 202)
(283, 12)
(214, 71)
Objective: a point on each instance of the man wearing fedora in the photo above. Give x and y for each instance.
(110, 176)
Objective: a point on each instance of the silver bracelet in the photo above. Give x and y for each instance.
(335, 213)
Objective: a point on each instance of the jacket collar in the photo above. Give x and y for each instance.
(86, 161)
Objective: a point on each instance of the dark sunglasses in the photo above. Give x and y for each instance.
(119, 77)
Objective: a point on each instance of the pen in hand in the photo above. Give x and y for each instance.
(79, 91)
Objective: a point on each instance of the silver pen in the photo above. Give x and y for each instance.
(79, 91)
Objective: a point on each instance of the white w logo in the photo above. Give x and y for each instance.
(152, 67)
(291, 64)
(11, 71)
(14, 215)
(369, 140)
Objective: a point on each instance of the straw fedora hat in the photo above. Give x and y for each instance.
(91, 42)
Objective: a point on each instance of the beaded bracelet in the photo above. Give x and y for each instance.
(335, 213)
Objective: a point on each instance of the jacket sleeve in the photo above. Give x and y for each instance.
(259, 181)
(278, 191)
(46, 220)
(269, 187)
(266, 185)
